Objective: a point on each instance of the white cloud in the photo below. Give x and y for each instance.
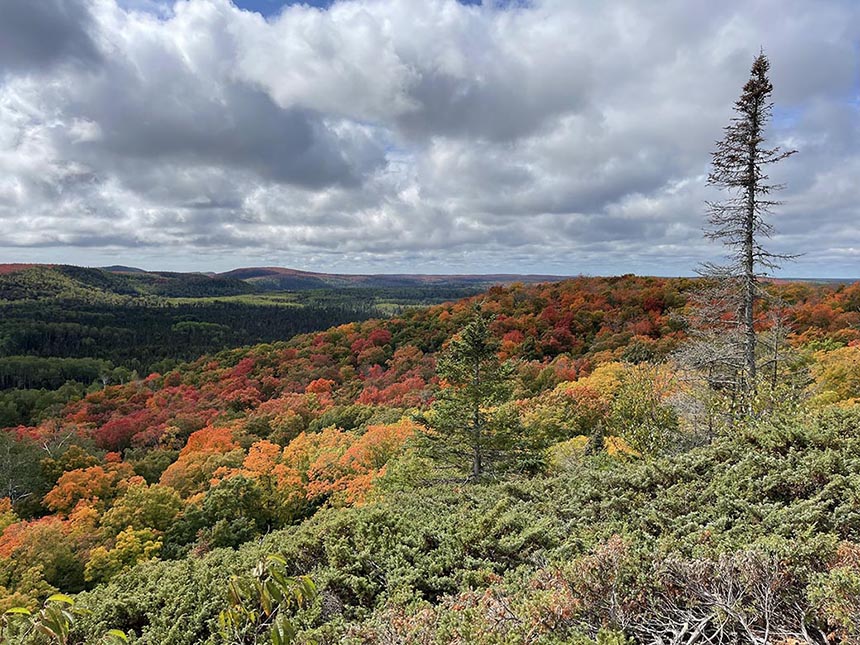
(415, 134)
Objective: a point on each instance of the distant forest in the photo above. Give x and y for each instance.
(64, 330)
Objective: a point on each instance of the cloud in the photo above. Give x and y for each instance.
(414, 134)
(37, 35)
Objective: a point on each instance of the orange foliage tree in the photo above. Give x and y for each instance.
(207, 450)
(96, 486)
(333, 464)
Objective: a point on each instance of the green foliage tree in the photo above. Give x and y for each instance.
(26, 407)
(468, 428)
(150, 464)
(260, 605)
(131, 546)
(143, 507)
(640, 416)
(21, 478)
(231, 513)
(54, 621)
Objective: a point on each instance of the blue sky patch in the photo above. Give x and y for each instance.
(271, 7)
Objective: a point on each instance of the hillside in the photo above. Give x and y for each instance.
(318, 433)
(29, 281)
(64, 329)
(33, 282)
(277, 278)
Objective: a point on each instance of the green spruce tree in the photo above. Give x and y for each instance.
(470, 429)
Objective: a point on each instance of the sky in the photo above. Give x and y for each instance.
(433, 136)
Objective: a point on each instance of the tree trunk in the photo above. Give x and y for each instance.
(477, 460)
(749, 260)
(477, 465)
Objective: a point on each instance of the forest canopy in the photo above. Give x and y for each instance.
(633, 473)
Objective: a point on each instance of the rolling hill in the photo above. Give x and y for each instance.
(279, 278)
(36, 281)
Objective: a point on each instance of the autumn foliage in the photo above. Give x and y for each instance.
(140, 470)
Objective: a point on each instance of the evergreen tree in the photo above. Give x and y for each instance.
(739, 222)
(469, 428)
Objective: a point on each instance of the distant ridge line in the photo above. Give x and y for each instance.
(249, 272)
(270, 274)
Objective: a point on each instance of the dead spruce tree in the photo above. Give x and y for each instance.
(739, 221)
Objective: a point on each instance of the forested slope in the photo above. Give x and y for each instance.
(65, 330)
